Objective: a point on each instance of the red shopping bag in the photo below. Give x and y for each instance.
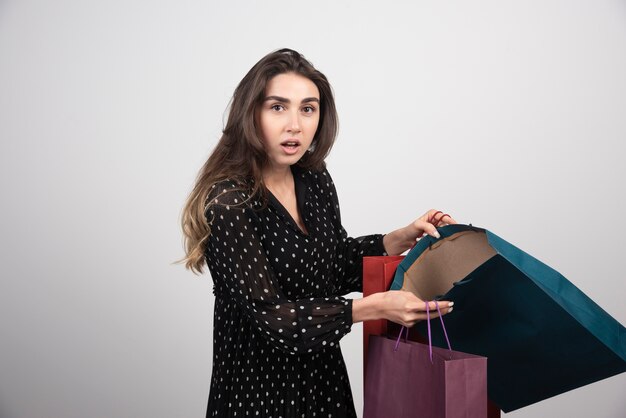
(378, 273)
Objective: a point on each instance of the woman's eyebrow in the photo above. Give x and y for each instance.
(285, 100)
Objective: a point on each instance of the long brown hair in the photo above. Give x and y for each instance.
(240, 154)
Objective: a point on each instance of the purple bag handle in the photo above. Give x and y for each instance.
(430, 344)
(405, 337)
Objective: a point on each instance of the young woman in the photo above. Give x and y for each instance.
(264, 217)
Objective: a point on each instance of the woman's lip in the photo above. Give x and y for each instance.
(290, 150)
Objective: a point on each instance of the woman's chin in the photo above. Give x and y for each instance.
(286, 160)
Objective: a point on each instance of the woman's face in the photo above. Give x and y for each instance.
(288, 118)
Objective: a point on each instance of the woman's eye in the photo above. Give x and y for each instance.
(308, 109)
(277, 107)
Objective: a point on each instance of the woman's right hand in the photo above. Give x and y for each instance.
(406, 309)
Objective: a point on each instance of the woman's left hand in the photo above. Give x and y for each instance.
(402, 239)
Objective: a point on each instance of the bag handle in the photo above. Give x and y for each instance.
(405, 337)
(431, 220)
(430, 344)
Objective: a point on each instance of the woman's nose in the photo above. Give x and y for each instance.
(293, 124)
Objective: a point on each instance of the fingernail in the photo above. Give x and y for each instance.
(436, 235)
(450, 310)
(451, 304)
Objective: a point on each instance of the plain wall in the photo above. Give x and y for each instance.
(508, 115)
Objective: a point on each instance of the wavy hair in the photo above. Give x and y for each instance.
(240, 153)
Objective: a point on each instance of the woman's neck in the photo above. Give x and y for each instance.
(278, 179)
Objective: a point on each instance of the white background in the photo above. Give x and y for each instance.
(508, 115)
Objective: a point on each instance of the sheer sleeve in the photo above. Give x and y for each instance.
(239, 268)
(350, 251)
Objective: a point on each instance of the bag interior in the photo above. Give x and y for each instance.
(446, 262)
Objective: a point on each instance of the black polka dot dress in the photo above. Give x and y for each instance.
(279, 311)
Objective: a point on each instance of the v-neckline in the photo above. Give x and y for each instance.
(300, 190)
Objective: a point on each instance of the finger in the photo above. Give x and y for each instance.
(442, 219)
(444, 311)
(437, 222)
(426, 228)
(447, 219)
(420, 316)
(433, 215)
(437, 314)
(438, 218)
(423, 316)
(444, 306)
(432, 306)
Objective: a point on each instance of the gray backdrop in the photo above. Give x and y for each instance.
(509, 115)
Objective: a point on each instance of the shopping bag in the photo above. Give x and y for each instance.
(542, 335)
(378, 272)
(410, 379)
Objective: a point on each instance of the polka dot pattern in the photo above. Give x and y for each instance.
(279, 310)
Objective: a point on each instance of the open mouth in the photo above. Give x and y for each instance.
(290, 147)
(290, 144)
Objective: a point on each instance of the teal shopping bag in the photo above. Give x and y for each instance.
(541, 334)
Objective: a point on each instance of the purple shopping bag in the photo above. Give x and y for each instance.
(409, 379)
